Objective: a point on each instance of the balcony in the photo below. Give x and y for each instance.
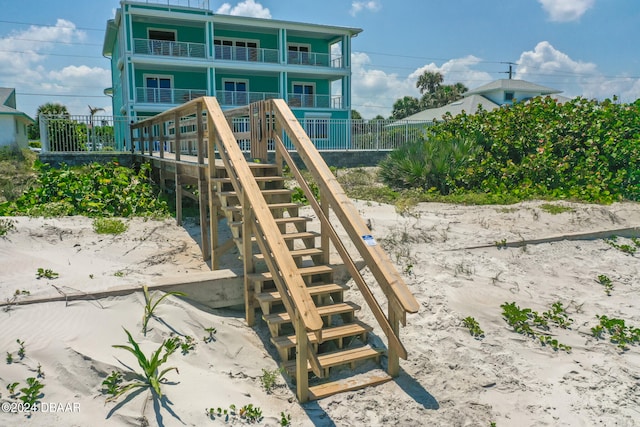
(314, 59)
(238, 99)
(169, 48)
(167, 96)
(315, 101)
(249, 54)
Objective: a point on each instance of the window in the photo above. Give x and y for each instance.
(158, 89)
(239, 50)
(236, 92)
(303, 95)
(298, 54)
(508, 96)
(161, 41)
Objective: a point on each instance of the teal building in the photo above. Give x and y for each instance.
(163, 55)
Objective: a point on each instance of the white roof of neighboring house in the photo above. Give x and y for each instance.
(8, 104)
(512, 85)
(468, 104)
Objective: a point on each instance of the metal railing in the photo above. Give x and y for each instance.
(152, 95)
(169, 48)
(81, 133)
(314, 59)
(196, 4)
(238, 99)
(249, 54)
(72, 133)
(297, 100)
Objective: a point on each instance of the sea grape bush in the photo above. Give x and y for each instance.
(96, 190)
(581, 149)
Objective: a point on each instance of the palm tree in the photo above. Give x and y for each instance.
(404, 107)
(429, 82)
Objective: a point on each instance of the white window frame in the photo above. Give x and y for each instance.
(235, 47)
(169, 77)
(235, 81)
(300, 59)
(313, 85)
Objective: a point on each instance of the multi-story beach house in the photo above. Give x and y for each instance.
(163, 55)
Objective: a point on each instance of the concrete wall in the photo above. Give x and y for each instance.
(339, 159)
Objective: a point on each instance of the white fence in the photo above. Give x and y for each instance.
(86, 133)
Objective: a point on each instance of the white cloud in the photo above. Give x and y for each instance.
(245, 8)
(359, 6)
(566, 10)
(548, 66)
(457, 70)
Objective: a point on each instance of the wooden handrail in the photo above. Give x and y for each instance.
(246, 186)
(376, 259)
(394, 340)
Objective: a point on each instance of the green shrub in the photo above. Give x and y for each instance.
(95, 190)
(581, 149)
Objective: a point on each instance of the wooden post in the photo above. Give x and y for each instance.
(203, 188)
(393, 367)
(324, 233)
(302, 374)
(177, 141)
(247, 259)
(213, 208)
(178, 197)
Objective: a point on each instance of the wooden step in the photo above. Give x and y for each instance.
(348, 384)
(337, 358)
(304, 271)
(257, 178)
(272, 206)
(273, 192)
(314, 289)
(323, 311)
(285, 343)
(285, 220)
(296, 253)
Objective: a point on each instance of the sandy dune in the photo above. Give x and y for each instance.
(449, 257)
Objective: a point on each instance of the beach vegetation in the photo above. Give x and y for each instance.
(9, 358)
(46, 273)
(39, 371)
(151, 303)
(21, 350)
(622, 247)
(6, 225)
(109, 226)
(269, 378)
(285, 419)
(247, 414)
(95, 190)
(11, 388)
(619, 332)
(32, 393)
(585, 150)
(554, 209)
(111, 384)
(152, 375)
(606, 282)
(473, 326)
(528, 322)
(210, 337)
(14, 298)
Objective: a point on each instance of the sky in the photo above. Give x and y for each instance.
(51, 51)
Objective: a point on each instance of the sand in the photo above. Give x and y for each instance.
(449, 258)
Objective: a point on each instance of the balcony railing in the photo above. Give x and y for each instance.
(314, 101)
(236, 98)
(314, 59)
(169, 48)
(250, 54)
(167, 96)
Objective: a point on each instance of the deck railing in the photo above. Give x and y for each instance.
(169, 48)
(154, 95)
(250, 54)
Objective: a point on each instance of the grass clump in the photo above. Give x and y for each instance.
(555, 209)
(6, 225)
(152, 377)
(150, 305)
(473, 326)
(109, 226)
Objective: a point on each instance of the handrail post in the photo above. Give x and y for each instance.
(393, 365)
(302, 375)
(247, 259)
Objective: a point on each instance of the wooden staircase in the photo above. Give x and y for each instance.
(344, 337)
(287, 272)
